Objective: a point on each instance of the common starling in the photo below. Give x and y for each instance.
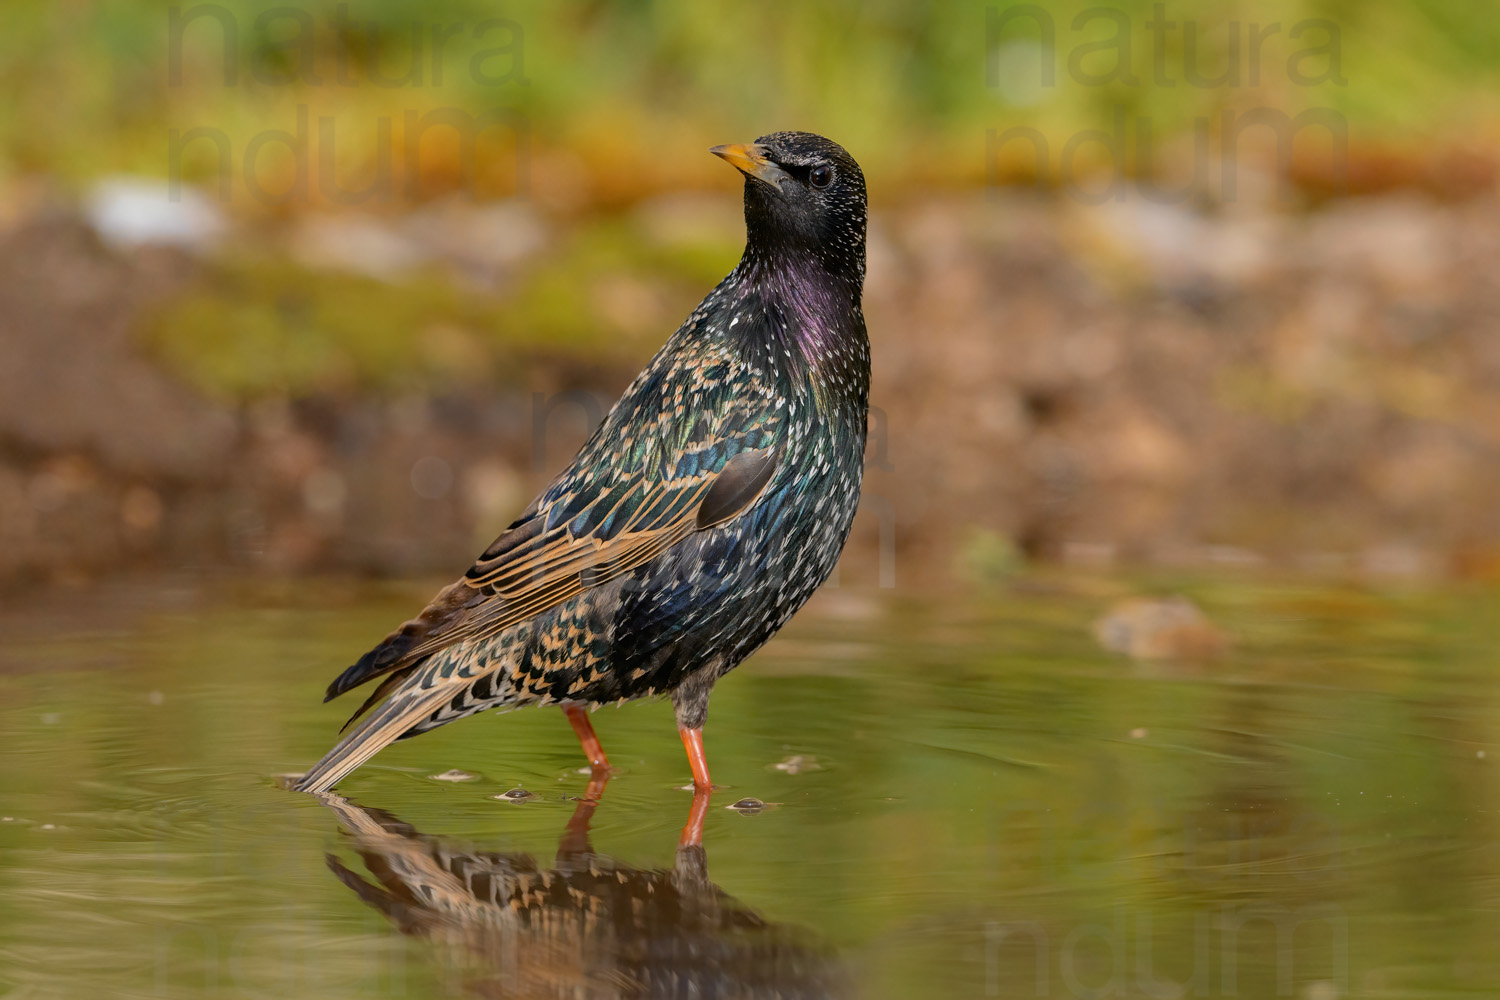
(704, 511)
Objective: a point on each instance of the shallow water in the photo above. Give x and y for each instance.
(973, 800)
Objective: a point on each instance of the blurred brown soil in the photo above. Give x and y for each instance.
(1131, 383)
(1149, 384)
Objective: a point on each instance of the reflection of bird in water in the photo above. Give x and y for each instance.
(590, 926)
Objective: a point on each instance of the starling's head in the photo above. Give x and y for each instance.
(803, 195)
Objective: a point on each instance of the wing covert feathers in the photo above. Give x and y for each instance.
(737, 486)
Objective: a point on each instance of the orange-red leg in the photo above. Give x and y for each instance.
(579, 719)
(692, 742)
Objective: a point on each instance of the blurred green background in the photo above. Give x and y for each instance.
(634, 90)
(1153, 283)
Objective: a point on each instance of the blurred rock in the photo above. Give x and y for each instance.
(797, 764)
(1170, 628)
(1144, 379)
(481, 242)
(129, 212)
(364, 244)
(477, 242)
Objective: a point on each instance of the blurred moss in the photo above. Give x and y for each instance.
(256, 325)
(264, 324)
(988, 556)
(554, 305)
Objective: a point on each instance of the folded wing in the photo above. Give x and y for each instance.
(578, 540)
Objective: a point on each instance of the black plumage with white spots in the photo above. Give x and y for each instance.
(704, 511)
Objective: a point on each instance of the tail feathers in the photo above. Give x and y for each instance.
(395, 650)
(378, 730)
(384, 688)
(386, 656)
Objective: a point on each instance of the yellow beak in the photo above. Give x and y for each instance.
(751, 160)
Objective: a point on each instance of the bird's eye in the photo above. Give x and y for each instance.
(821, 176)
